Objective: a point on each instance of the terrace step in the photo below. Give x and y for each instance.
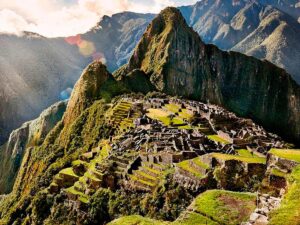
(150, 171)
(154, 166)
(144, 176)
(142, 183)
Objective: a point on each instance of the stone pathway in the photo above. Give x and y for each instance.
(266, 203)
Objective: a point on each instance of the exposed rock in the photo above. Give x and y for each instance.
(31, 133)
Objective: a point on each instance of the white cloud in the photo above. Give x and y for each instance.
(12, 23)
(54, 18)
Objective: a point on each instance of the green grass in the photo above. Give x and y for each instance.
(75, 192)
(172, 107)
(289, 210)
(135, 178)
(261, 160)
(225, 207)
(185, 165)
(136, 220)
(245, 153)
(79, 162)
(200, 163)
(68, 171)
(91, 176)
(290, 154)
(146, 175)
(278, 173)
(192, 218)
(152, 170)
(218, 139)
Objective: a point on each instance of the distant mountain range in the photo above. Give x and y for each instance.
(35, 70)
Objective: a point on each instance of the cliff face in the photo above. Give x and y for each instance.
(29, 134)
(177, 62)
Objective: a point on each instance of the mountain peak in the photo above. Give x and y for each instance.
(167, 36)
(86, 90)
(172, 15)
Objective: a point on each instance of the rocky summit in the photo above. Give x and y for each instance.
(183, 134)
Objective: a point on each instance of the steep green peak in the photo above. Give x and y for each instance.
(166, 38)
(170, 16)
(86, 90)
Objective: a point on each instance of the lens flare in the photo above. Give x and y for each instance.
(86, 48)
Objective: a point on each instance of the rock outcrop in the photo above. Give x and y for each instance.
(31, 133)
(177, 62)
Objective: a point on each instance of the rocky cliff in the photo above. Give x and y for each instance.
(177, 62)
(31, 133)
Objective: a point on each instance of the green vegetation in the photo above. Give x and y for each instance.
(68, 171)
(200, 163)
(245, 153)
(289, 210)
(254, 159)
(225, 207)
(136, 220)
(135, 178)
(217, 138)
(168, 118)
(278, 173)
(186, 165)
(290, 154)
(192, 218)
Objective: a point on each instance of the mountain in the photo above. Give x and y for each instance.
(127, 144)
(178, 63)
(250, 27)
(36, 71)
(290, 7)
(30, 134)
(115, 37)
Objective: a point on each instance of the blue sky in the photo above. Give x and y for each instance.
(55, 18)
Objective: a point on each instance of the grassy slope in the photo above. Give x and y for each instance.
(225, 207)
(289, 211)
(136, 220)
(217, 139)
(254, 159)
(286, 154)
(212, 207)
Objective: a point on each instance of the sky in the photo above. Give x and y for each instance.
(61, 18)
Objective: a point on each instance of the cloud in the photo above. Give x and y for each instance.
(12, 23)
(53, 18)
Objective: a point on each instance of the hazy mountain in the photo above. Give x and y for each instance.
(291, 7)
(34, 70)
(28, 135)
(249, 27)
